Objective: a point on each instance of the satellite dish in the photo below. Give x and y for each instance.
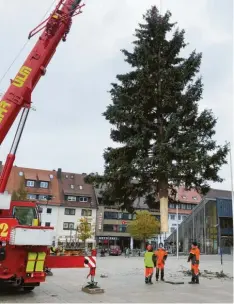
(51, 176)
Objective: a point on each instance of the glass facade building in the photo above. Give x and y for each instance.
(210, 224)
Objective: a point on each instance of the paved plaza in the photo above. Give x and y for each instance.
(125, 283)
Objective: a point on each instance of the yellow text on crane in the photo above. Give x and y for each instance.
(3, 109)
(22, 76)
(3, 230)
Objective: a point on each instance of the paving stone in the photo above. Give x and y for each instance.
(125, 284)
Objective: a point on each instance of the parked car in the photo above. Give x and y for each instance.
(115, 250)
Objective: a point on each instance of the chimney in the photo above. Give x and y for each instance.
(59, 173)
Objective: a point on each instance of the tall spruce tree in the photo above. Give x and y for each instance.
(164, 140)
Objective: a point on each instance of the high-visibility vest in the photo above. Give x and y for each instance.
(149, 259)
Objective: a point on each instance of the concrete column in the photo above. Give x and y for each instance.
(131, 243)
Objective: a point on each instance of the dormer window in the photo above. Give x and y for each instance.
(71, 198)
(44, 185)
(194, 198)
(81, 187)
(83, 199)
(72, 176)
(72, 186)
(30, 183)
(184, 196)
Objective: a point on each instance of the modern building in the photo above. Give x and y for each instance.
(112, 223)
(187, 201)
(210, 224)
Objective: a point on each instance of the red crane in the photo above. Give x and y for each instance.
(18, 96)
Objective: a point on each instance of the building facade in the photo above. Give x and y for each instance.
(187, 201)
(64, 199)
(210, 224)
(77, 201)
(112, 223)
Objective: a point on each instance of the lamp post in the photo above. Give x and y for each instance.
(177, 231)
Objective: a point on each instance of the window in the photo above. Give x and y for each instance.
(179, 217)
(83, 199)
(25, 215)
(72, 186)
(184, 196)
(44, 185)
(120, 215)
(107, 227)
(114, 228)
(183, 206)
(66, 176)
(127, 216)
(31, 196)
(49, 210)
(194, 198)
(68, 226)
(69, 211)
(172, 206)
(189, 207)
(174, 224)
(42, 197)
(72, 176)
(71, 199)
(122, 228)
(30, 183)
(86, 212)
(81, 187)
(47, 224)
(172, 229)
(110, 215)
(172, 217)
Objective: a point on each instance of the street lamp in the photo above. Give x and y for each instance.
(177, 231)
(220, 247)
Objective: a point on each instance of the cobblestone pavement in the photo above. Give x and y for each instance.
(125, 283)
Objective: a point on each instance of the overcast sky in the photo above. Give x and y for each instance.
(67, 129)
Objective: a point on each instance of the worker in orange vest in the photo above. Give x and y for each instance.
(194, 257)
(161, 256)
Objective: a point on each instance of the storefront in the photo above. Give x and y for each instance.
(107, 241)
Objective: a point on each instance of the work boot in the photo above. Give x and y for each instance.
(150, 280)
(192, 280)
(197, 279)
(162, 274)
(146, 280)
(157, 274)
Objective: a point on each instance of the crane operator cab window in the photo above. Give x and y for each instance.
(26, 216)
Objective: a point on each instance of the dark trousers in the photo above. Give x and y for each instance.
(162, 273)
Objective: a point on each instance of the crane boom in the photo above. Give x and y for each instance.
(18, 96)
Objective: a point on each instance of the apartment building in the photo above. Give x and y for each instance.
(77, 201)
(63, 197)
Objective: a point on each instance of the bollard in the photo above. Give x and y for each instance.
(92, 286)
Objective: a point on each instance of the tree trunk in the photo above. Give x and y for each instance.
(163, 196)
